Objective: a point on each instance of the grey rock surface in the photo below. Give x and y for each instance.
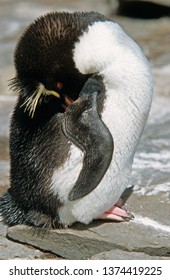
(144, 9)
(161, 2)
(12, 250)
(145, 234)
(124, 255)
(148, 233)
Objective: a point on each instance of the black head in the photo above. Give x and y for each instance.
(45, 71)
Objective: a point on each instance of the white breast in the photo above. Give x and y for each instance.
(106, 49)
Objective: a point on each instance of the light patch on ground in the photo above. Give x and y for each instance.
(151, 223)
(152, 190)
(160, 161)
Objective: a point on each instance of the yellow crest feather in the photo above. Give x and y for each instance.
(32, 101)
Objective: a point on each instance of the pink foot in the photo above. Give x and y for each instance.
(117, 213)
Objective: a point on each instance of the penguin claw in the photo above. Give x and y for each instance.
(117, 213)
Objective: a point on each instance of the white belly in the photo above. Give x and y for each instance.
(128, 85)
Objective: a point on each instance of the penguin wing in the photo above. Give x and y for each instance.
(84, 127)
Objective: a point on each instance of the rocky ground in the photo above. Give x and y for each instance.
(148, 235)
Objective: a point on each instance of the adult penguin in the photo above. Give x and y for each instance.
(84, 94)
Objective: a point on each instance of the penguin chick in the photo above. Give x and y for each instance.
(84, 94)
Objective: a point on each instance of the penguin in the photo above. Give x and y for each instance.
(84, 94)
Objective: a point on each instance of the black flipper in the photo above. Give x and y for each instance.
(84, 127)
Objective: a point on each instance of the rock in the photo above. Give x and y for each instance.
(70, 243)
(12, 250)
(161, 2)
(148, 233)
(124, 255)
(144, 9)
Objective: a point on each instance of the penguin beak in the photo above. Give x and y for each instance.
(52, 92)
(68, 101)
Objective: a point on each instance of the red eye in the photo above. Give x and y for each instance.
(59, 85)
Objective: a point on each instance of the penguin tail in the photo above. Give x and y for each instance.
(10, 213)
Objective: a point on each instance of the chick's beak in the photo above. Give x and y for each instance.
(56, 94)
(68, 100)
